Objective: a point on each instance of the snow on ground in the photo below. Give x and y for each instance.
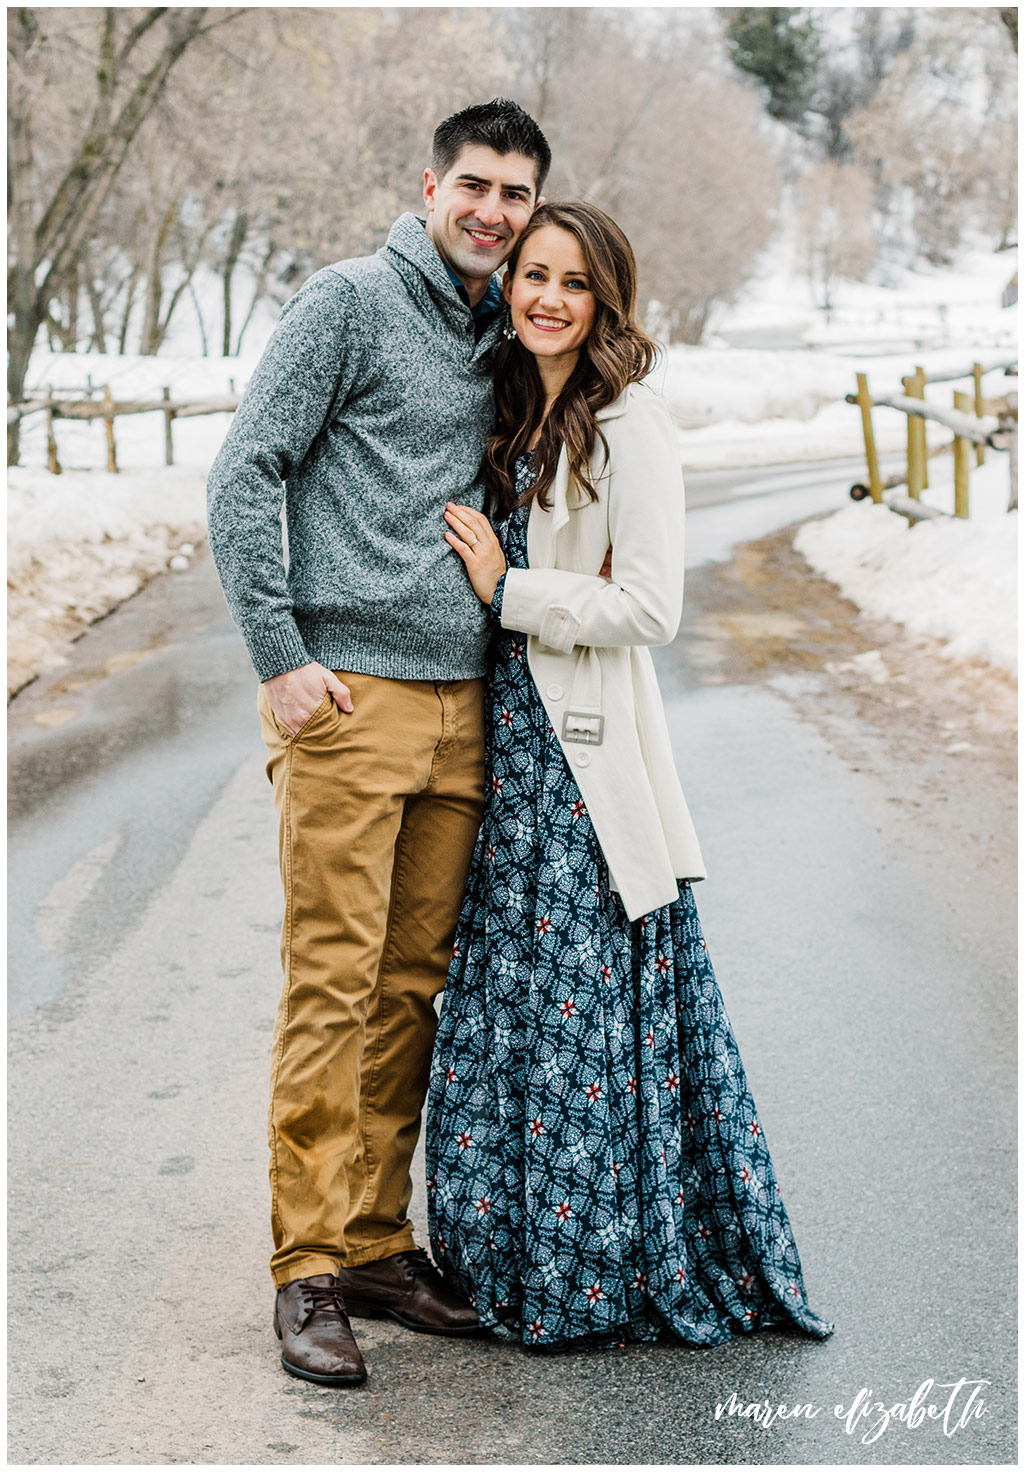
(952, 579)
(80, 543)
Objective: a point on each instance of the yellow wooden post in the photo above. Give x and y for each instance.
(922, 427)
(864, 401)
(108, 418)
(961, 460)
(915, 469)
(979, 406)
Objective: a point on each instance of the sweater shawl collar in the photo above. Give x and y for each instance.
(411, 252)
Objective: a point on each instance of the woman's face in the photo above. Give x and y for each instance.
(552, 305)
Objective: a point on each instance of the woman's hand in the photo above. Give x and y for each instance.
(472, 536)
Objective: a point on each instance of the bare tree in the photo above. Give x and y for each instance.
(131, 53)
(679, 160)
(837, 236)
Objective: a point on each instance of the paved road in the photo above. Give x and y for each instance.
(859, 912)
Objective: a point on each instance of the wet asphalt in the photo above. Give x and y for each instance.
(860, 913)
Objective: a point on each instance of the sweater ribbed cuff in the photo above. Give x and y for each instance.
(276, 651)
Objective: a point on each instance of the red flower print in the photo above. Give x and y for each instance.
(578, 808)
(432, 1183)
(491, 851)
(704, 943)
(563, 1212)
(594, 1294)
(543, 925)
(750, 1315)
(568, 1008)
(643, 921)
(535, 1127)
(616, 1167)
(680, 1274)
(681, 1197)
(718, 1115)
(794, 1290)
(746, 1282)
(464, 1140)
(455, 951)
(593, 1093)
(506, 718)
(671, 1082)
(495, 784)
(640, 1281)
(662, 964)
(649, 1040)
(449, 1075)
(536, 1328)
(631, 1085)
(606, 973)
(755, 1129)
(703, 1233)
(517, 651)
(483, 1206)
(745, 1174)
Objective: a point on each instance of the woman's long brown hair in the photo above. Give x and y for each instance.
(617, 352)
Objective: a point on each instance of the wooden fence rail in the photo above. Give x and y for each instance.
(108, 409)
(993, 423)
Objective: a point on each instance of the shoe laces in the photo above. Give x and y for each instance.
(324, 1297)
(417, 1261)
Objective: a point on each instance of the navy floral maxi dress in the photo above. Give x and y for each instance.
(596, 1169)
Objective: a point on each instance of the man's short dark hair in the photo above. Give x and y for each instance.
(499, 124)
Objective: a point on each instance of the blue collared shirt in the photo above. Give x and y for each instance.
(486, 309)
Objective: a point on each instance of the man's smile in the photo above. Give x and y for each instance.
(487, 238)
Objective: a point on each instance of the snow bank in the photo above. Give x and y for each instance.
(82, 542)
(954, 580)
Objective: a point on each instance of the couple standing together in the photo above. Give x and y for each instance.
(475, 792)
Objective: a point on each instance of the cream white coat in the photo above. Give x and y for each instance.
(588, 636)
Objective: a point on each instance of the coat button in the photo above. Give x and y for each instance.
(582, 758)
(555, 692)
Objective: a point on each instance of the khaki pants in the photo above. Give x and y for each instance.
(378, 812)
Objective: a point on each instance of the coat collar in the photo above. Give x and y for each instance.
(566, 495)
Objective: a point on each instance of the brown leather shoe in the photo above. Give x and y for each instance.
(406, 1286)
(316, 1338)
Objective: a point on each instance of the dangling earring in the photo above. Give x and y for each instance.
(508, 330)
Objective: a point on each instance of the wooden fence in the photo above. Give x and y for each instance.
(974, 419)
(82, 404)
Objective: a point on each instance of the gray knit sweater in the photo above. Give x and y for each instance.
(366, 413)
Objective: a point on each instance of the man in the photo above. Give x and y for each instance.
(372, 402)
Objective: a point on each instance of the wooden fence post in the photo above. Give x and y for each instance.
(52, 461)
(168, 436)
(922, 424)
(864, 401)
(108, 419)
(917, 477)
(979, 406)
(961, 460)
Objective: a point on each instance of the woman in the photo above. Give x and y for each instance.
(596, 1170)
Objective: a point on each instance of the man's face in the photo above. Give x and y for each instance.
(478, 210)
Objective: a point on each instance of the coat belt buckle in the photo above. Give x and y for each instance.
(583, 726)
